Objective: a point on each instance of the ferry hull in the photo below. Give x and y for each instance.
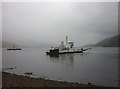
(49, 53)
(70, 52)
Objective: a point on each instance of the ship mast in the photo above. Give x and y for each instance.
(66, 39)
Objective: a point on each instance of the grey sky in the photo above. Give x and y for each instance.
(50, 22)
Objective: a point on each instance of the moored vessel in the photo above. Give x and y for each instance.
(14, 48)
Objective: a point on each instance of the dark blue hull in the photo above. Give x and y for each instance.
(54, 53)
(14, 49)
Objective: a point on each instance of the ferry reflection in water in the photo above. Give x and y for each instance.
(65, 59)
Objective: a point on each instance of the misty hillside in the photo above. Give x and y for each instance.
(109, 42)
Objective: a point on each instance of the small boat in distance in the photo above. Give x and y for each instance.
(64, 49)
(14, 48)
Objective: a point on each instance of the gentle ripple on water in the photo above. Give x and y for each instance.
(98, 65)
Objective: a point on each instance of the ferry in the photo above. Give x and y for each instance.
(64, 49)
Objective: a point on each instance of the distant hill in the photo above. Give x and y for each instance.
(109, 42)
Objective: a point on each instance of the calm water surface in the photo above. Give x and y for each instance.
(98, 65)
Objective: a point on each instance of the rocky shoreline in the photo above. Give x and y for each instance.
(13, 80)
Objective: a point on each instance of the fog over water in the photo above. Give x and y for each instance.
(35, 23)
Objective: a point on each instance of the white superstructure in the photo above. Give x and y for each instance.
(69, 45)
